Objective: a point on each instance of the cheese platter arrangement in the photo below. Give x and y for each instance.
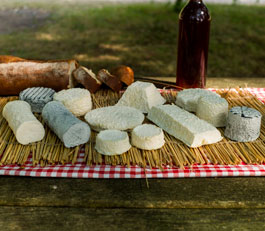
(141, 125)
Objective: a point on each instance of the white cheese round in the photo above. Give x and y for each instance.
(188, 98)
(212, 109)
(243, 124)
(147, 137)
(114, 117)
(23, 123)
(112, 142)
(76, 100)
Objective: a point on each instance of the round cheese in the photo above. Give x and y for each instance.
(243, 124)
(112, 142)
(148, 137)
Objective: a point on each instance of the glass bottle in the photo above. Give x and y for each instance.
(193, 42)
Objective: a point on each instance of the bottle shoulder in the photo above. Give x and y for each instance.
(195, 12)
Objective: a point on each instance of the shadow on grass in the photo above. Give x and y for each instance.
(145, 38)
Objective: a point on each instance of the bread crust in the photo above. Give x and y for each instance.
(17, 74)
(83, 77)
(110, 80)
(124, 73)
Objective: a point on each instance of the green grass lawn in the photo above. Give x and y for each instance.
(143, 37)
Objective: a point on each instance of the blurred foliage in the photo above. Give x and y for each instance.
(144, 37)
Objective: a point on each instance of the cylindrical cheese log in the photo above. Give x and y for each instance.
(17, 74)
(243, 124)
(148, 137)
(112, 142)
(212, 109)
(70, 130)
(23, 123)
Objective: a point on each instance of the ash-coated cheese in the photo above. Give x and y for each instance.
(184, 126)
(243, 124)
(114, 117)
(37, 97)
(147, 137)
(70, 130)
(142, 96)
(76, 100)
(112, 142)
(188, 98)
(23, 123)
(212, 109)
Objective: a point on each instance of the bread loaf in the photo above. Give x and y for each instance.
(110, 80)
(17, 74)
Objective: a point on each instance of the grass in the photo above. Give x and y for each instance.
(143, 36)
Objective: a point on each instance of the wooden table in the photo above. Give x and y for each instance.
(120, 204)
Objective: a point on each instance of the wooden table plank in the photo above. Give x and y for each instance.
(46, 218)
(133, 193)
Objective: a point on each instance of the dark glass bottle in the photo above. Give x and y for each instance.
(193, 42)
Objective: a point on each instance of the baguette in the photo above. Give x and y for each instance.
(17, 74)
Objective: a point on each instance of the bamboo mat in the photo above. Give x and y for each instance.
(174, 153)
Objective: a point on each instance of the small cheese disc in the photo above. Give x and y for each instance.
(37, 97)
(188, 98)
(76, 100)
(148, 137)
(243, 124)
(112, 142)
(213, 109)
(114, 117)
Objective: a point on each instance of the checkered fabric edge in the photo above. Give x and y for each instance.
(80, 170)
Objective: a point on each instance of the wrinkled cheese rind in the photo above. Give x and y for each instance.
(213, 109)
(114, 117)
(184, 125)
(243, 124)
(147, 137)
(142, 96)
(112, 142)
(23, 123)
(70, 130)
(188, 98)
(76, 100)
(37, 97)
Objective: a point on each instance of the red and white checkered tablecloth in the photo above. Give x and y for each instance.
(80, 170)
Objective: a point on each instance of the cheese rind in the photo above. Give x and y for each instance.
(37, 97)
(23, 123)
(76, 100)
(243, 124)
(112, 142)
(142, 96)
(147, 137)
(213, 109)
(70, 130)
(114, 117)
(188, 98)
(184, 125)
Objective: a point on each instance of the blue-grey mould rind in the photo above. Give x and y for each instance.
(71, 131)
